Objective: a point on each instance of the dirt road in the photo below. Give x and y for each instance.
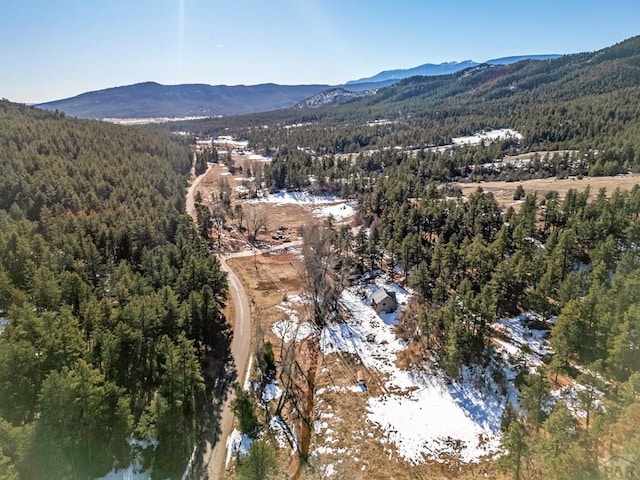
(214, 458)
(191, 193)
(240, 349)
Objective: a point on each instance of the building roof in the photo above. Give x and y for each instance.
(380, 294)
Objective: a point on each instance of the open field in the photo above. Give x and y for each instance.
(503, 191)
(342, 440)
(267, 280)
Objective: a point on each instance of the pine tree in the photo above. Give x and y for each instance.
(516, 443)
(244, 409)
(534, 395)
(260, 462)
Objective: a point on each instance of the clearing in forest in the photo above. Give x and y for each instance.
(504, 191)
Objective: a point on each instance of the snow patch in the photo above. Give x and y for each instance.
(422, 414)
(237, 443)
(135, 470)
(132, 472)
(259, 158)
(280, 432)
(487, 137)
(271, 392)
(284, 197)
(338, 211)
(290, 328)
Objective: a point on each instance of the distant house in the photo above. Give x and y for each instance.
(384, 301)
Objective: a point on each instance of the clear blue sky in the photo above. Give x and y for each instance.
(51, 49)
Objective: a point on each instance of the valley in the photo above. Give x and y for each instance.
(411, 420)
(432, 277)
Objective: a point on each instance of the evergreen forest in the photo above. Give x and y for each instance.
(111, 304)
(114, 345)
(573, 259)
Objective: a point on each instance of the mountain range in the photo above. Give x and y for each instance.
(153, 100)
(431, 69)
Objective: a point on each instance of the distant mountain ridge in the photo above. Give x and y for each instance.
(153, 100)
(431, 69)
(150, 99)
(332, 95)
(611, 74)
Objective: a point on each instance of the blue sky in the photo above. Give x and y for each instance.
(51, 49)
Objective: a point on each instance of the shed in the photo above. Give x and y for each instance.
(384, 301)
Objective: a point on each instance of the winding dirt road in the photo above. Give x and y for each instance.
(214, 458)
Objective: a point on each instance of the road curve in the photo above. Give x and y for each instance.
(214, 458)
(190, 203)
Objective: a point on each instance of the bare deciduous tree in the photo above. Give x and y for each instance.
(239, 214)
(217, 219)
(256, 221)
(321, 282)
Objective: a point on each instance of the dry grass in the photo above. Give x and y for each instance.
(358, 449)
(357, 443)
(503, 191)
(267, 280)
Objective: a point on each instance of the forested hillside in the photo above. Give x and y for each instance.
(470, 264)
(583, 102)
(150, 99)
(571, 262)
(110, 304)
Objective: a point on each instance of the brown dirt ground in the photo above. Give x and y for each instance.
(268, 279)
(503, 191)
(291, 216)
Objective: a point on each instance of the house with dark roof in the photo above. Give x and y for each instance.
(384, 301)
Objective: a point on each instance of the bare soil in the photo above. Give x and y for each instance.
(359, 450)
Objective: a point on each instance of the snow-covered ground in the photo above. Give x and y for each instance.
(259, 158)
(421, 414)
(132, 472)
(522, 339)
(523, 342)
(271, 392)
(284, 197)
(146, 121)
(339, 211)
(226, 140)
(424, 416)
(487, 137)
(320, 205)
(237, 444)
(290, 326)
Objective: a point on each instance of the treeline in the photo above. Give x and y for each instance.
(584, 103)
(115, 335)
